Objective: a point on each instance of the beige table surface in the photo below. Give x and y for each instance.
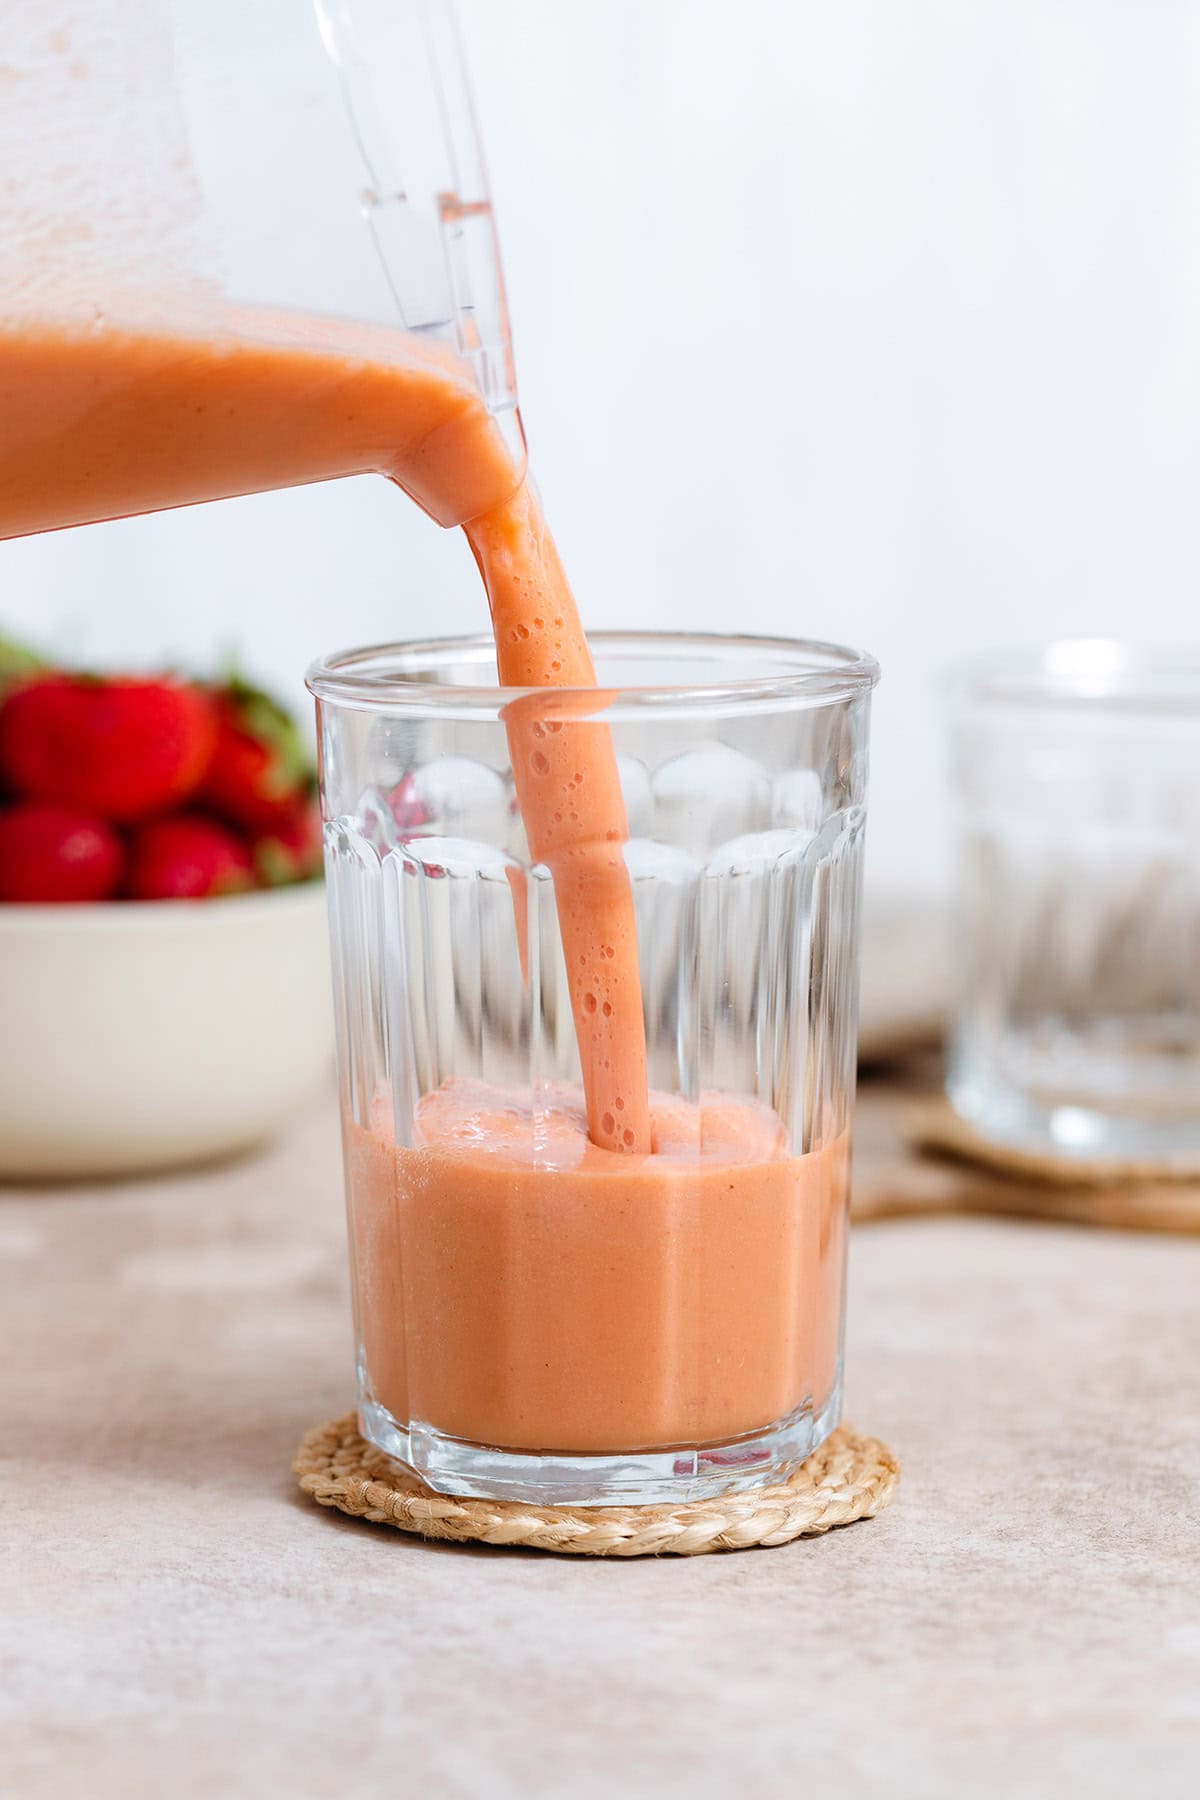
(177, 1621)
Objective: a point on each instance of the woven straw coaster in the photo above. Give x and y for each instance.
(970, 1174)
(849, 1477)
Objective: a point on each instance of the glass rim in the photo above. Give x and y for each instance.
(1083, 673)
(810, 672)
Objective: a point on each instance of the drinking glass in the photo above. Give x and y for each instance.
(1076, 777)
(536, 1318)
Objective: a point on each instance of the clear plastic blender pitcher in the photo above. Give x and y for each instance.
(214, 218)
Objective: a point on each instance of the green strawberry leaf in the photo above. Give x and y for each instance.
(273, 726)
(17, 661)
(274, 866)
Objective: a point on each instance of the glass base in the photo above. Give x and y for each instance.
(1070, 1126)
(639, 1478)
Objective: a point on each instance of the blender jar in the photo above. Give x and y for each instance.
(216, 221)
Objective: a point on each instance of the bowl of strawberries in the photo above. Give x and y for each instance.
(163, 945)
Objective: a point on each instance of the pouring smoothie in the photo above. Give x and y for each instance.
(97, 422)
(592, 1270)
(489, 1305)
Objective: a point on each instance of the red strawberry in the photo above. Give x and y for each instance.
(122, 748)
(261, 769)
(292, 849)
(187, 857)
(57, 853)
(408, 809)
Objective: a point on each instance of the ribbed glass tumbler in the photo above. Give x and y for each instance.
(1076, 783)
(597, 1279)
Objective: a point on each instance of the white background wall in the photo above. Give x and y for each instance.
(871, 321)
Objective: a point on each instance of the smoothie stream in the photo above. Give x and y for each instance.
(657, 1273)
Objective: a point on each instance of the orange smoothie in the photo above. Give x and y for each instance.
(517, 1286)
(100, 421)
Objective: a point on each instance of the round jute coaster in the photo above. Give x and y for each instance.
(849, 1477)
(1144, 1195)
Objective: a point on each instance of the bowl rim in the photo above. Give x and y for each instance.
(159, 915)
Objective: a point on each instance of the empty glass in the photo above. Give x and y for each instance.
(537, 1317)
(1076, 775)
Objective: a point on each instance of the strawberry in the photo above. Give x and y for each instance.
(261, 769)
(123, 748)
(292, 849)
(57, 853)
(187, 857)
(408, 808)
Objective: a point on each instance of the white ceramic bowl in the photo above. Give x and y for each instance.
(143, 1035)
